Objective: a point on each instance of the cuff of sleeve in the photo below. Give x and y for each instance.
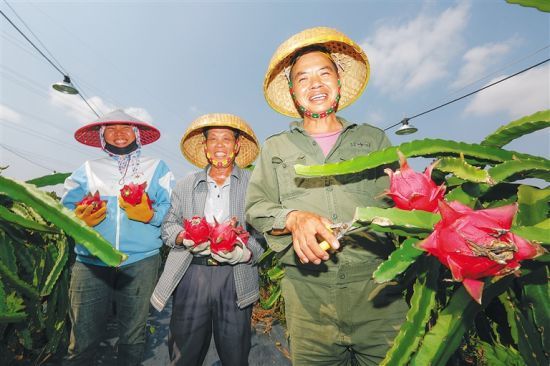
(278, 243)
(280, 219)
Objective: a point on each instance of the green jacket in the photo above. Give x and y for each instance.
(274, 189)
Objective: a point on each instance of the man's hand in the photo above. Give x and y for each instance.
(239, 254)
(140, 212)
(84, 213)
(202, 248)
(306, 228)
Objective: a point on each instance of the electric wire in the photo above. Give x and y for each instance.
(36, 37)
(64, 74)
(467, 95)
(497, 71)
(26, 159)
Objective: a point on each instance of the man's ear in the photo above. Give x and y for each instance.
(237, 147)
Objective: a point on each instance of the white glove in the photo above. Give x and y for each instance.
(239, 254)
(201, 249)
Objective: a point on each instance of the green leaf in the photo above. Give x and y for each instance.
(521, 169)
(7, 253)
(462, 169)
(534, 299)
(398, 261)
(518, 128)
(532, 233)
(13, 308)
(541, 5)
(63, 218)
(523, 332)
(499, 355)
(273, 298)
(49, 180)
(16, 282)
(276, 273)
(426, 148)
(452, 322)
(532, 205)
(397, 218)
(423, 302)
(458, 194)
(9, 216)
(59, 265)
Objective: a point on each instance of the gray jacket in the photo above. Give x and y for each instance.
(188, 200)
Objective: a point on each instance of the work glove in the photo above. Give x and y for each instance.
(200, 249)
(140, 212)
(239, 254)
(84, 213)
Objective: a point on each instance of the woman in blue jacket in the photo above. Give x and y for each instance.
(131, 229)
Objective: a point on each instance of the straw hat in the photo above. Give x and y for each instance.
(351, 60)
(192, 142)
(89, 134)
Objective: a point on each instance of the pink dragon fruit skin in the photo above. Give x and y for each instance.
(478, 244)
(197, 230)
(414, 191)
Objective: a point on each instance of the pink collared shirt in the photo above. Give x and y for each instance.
(326, 140)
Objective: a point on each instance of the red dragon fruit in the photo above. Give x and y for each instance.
(478, 244)
(223, 237)
(94, 200)
(132, 193)
(242, 234)
(196, 229)
(414, 191)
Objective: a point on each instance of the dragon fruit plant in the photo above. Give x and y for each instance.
(470, 246)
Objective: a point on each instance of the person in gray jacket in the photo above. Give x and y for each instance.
(213, 293)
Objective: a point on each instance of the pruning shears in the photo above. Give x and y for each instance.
(339, 230)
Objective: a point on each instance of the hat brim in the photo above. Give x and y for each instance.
(192, 142)
(89, 134)
(354, 73)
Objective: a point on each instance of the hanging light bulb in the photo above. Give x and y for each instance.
(65, 86)
(406, 128)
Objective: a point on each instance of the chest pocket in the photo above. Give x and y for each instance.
(290, 184)
(360, 182)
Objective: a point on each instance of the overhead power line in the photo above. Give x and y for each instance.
(58, 68)
(467, 95)
(25, 158)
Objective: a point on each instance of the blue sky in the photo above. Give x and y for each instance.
(169, 62)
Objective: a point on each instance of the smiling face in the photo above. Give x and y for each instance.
(314, 82)
(221, 146)
(119, 135)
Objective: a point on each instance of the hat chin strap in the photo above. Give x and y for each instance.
(221, 163)
(133, 146)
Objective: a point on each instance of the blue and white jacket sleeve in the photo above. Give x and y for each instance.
(75, 188)
(159, 191)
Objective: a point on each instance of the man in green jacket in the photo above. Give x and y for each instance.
(330, 321)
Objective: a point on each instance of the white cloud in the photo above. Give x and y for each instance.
(416, 53)
(139, 113)
(518, 96)
(75, 107)
(479, 59)
(8, 114)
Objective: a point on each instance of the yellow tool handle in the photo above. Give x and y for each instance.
(325, 245)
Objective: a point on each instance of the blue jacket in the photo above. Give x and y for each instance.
(134, 238)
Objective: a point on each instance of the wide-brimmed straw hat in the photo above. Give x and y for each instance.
(192, 142)
(351, 60)
(89, 134)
